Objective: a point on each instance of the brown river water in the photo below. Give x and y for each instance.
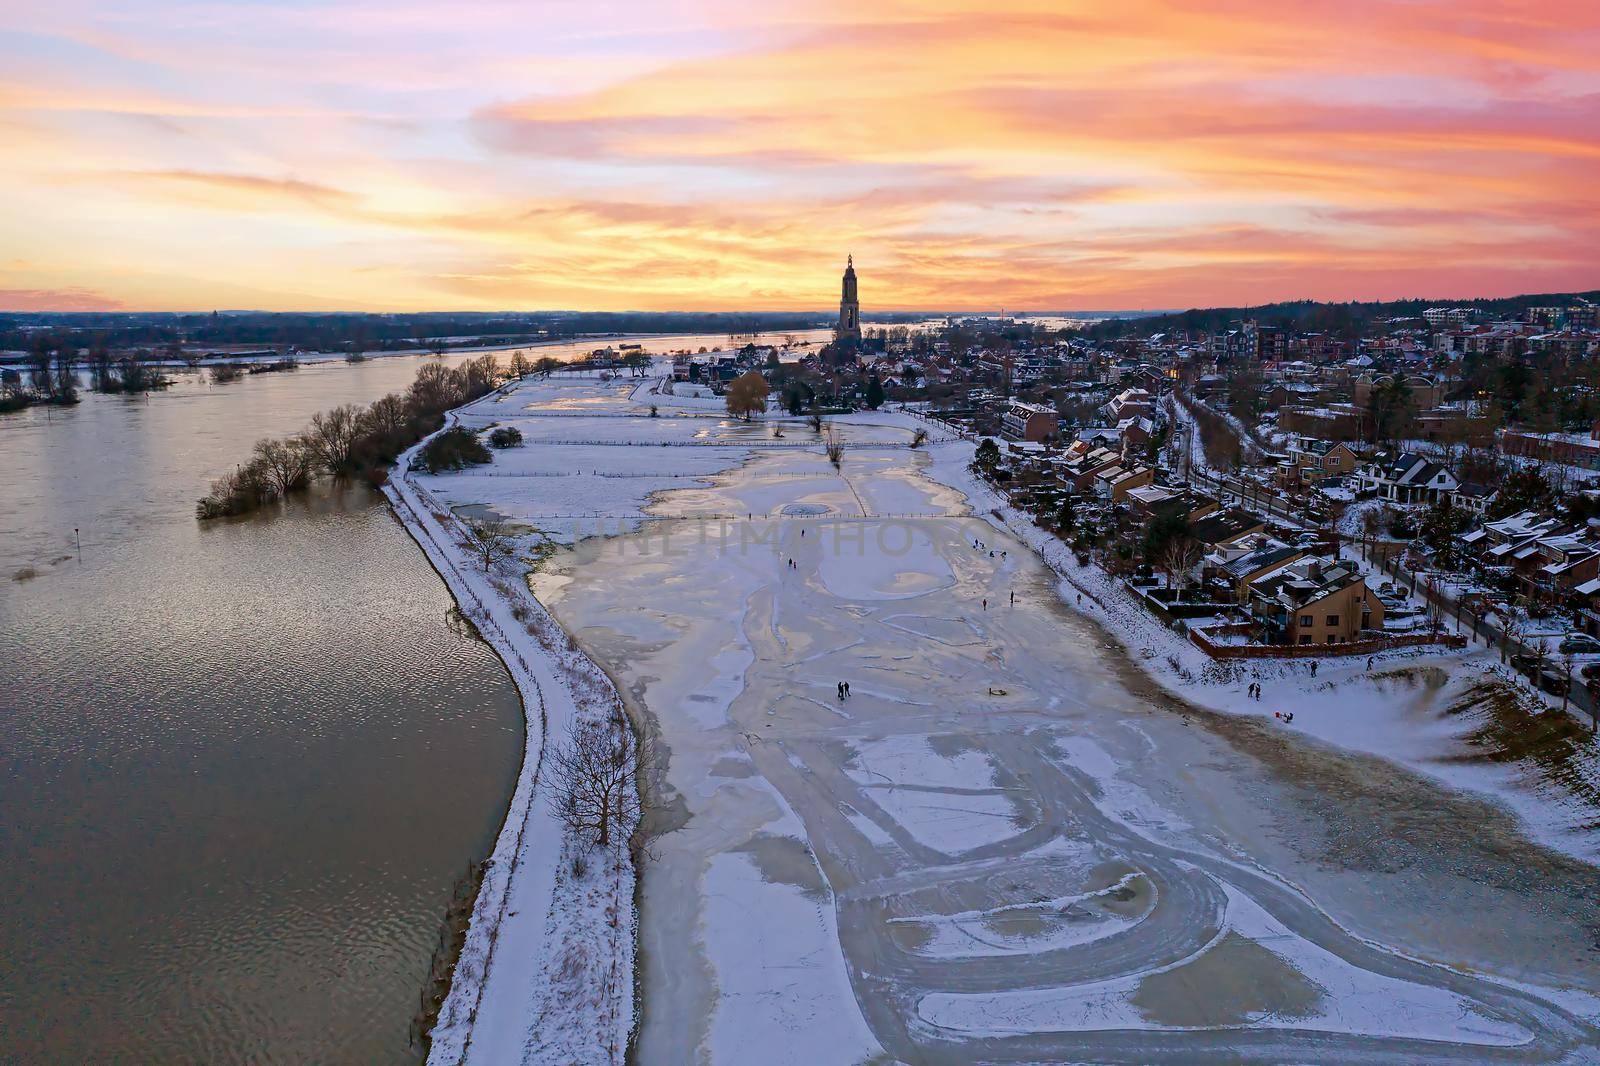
(241, 764)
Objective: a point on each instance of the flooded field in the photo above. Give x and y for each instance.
(996, 847)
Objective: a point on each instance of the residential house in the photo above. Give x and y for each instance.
(1311, 461)
(1223, 527)
(1314, 601)
(1248, 559)
(1030, 422)
(1408, 478)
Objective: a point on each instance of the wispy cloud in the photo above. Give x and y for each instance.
(705, 153)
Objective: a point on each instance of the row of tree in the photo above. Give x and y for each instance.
(350, 440)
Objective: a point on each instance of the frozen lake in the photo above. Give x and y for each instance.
(1004, 845)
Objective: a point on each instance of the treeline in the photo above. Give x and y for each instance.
(364, 332)
(52, 376)
(1342, 320)
(350, 440)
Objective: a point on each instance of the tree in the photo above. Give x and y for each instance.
(520, 365)
(1390, 408)
(595, 778)
(1178, 557)
(492, 539)
(835, 448)
(285, 465)
(794, 399)
(919, 438)
(1163, 529)
(1525, 488)
(66, 384)
(1371, 522)
(333, 437)
(874, 393)
(505, 437)
(455, 448)
(39, 365)
(747, 395)
(987, 453)
(1067, 517)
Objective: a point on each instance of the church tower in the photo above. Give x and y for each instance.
(849, 328)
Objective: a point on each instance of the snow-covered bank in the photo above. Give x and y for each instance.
(546, 970)
(546, 973)
(1395, 709)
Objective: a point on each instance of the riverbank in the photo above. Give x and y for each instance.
(524, 974)
(266, 761)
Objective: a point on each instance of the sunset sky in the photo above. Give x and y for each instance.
(529, 154)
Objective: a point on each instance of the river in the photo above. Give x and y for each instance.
(244, 762)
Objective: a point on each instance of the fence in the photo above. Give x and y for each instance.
(1219, 650)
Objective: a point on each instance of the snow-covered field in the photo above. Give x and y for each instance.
(998, 847)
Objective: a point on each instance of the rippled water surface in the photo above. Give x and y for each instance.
(241, 765)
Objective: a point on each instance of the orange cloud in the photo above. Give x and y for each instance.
(1030, 154)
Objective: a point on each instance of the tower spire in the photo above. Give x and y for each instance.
(849, 328)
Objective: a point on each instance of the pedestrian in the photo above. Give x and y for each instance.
(839, 690)
(1013, 597)
(847, 689)
(986, 603)
(1313, 668)
(1369, 661)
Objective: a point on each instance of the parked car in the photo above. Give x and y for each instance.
(1578, 644)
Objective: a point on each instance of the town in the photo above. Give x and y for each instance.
(1273, 490)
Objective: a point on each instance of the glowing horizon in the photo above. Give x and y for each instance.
(699, 155)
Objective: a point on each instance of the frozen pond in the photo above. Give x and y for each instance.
(1001, 846)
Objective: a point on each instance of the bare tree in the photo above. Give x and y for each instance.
(596, 779)
(492, 539)
(919, 438)
(1179, 557)
(1371, 522)
(835, 448)
(285, 464)
(1512, 627)
(334, 435)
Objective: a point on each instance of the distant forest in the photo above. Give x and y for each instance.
(377, 332)
(1344, 320)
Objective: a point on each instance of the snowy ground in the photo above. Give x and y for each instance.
(1003, 845)
(1395, 708)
